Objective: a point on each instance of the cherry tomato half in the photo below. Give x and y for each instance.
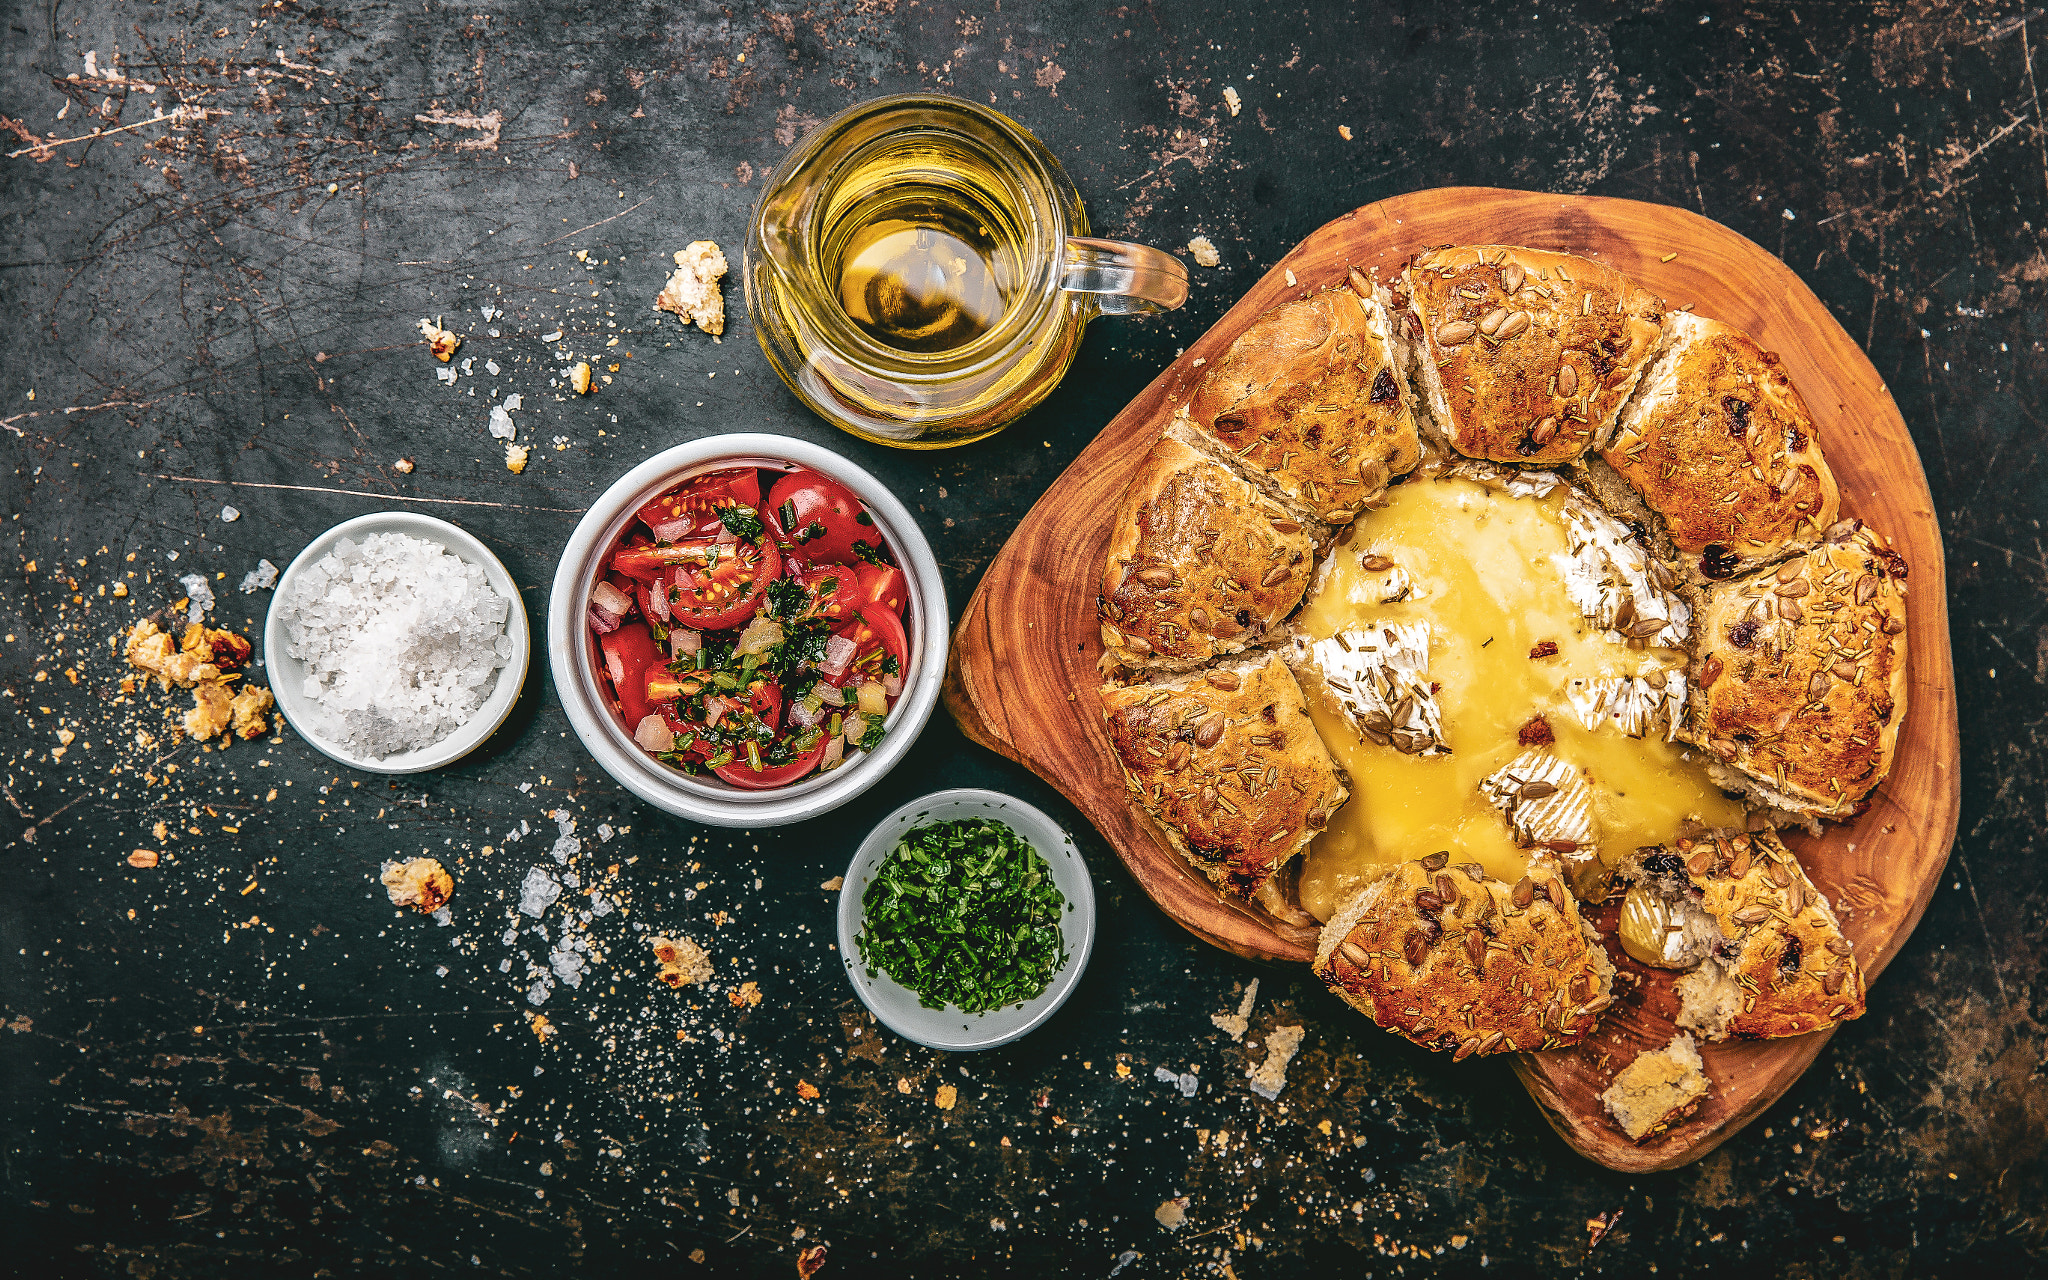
(765, 699)
(882, 584)
(817, 519)
(834, 590)
(740, 774)
(716, 585)
(877, 636)
(629, 653)
(696, 502)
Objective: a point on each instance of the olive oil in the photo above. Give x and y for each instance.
(923, 264)
(919, 271)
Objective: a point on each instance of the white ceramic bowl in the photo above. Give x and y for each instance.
(952, 1028)
(288, 674)
(574, 658)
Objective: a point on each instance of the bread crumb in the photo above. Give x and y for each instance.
(439, 341)
(1291, 281)
(697, 1256)
(834, 885)
(810, 1262)
(692, 292)
(1231, 100)
(748, 994)
(403, 466)
(579, 378)
(806, 1090)
(1234, 1024)
(683, 963)
(1205, 253)
(946, 1097)
(1172, 1214)
(542, 1029)
(211, 710)
(420, 883)
(1344, 132)
(143, 858)
(1658, 1089)
(246, 712)
(515, 458)
(1270, 1076)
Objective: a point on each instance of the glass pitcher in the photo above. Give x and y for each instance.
(919, 272)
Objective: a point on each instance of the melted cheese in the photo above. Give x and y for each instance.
(1488, 571)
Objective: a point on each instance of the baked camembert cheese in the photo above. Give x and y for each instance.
(1497, 586)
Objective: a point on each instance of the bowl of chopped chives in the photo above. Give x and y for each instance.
(966, 920)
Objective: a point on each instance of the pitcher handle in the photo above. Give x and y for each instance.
(1125, 279)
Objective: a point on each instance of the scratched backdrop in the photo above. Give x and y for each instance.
(244, 1060)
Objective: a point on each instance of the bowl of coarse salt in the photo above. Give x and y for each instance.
(396, 643)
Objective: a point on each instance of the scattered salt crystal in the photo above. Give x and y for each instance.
(538, 994)
(397, 636)
(200, 592)
(440, 970)
(262, 578)
(501, 424)
(566, 846)
(568, 965)
(493, 333)
(524, 786)
(599, 904)
(230, 514)
(467, 361)
(605, 833)
(491, 366)
(445, 374)
(1187, 1082)
(509, 937)
(556, 336)
(170, 555)
(513, 401)
(444, 917)
(538, 892)
(505, 965)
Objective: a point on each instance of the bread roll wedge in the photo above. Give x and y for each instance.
(1799, 676)
(1201, 563)
(1455, 960)
(1720, 452)
(1311, 399)
(1524, 356)
(1763, 954)
(1660, 1088)
(1228, 765)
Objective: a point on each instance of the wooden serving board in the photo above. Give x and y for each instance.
(1022, 676)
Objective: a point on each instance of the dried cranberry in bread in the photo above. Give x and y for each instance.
(1765, 955)
(1201, 562)
(1799, 676)
(1456, 960)
(1524, 356)
(1720, 450)
(1310, 396)
(1228, 764)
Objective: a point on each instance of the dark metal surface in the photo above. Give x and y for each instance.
(208, 1078)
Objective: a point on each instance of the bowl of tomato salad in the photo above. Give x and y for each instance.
(748, 630)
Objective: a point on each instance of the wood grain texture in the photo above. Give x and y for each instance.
(1023, 666)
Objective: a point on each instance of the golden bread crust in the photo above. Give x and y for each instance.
(1455, 960)
(1200, 564)
(1782, 948)
(1311, 395)
(1719, 445)
(1799, 674)
(1229, 765)
(1525, 356)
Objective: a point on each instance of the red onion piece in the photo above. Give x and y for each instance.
(601, 622)
(672, 530)
(839, 651)
(654, 734)
(606, 598)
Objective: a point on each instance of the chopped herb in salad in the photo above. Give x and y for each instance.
(964, 913)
